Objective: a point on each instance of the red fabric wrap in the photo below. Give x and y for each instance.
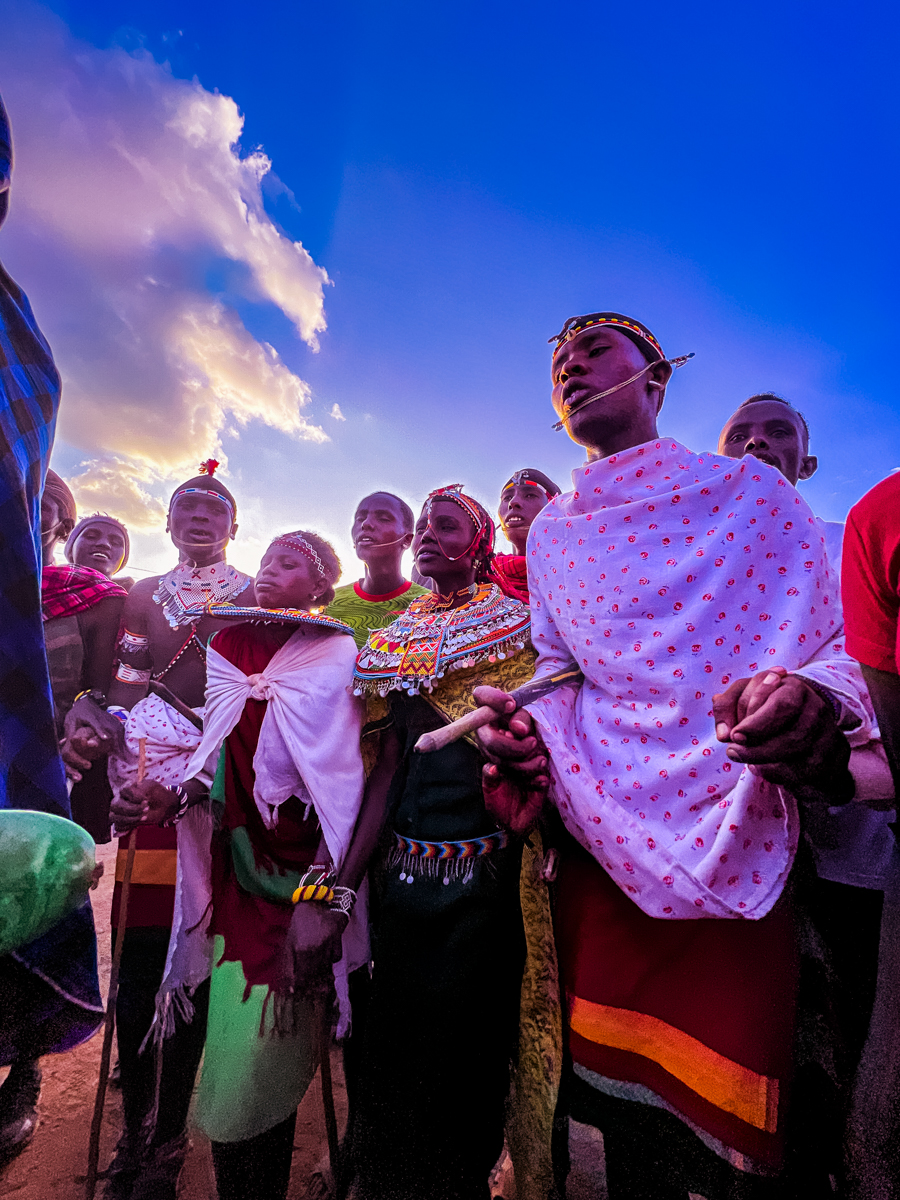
(510, 573)
(731, 985)
(870, 578)
(71, 589)
(148, 903)
(254, 928)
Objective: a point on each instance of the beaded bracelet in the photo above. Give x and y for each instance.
(343, 900)
(316, 883)
(826, 694)
(95, 694)
(126, 674)
(184, 802)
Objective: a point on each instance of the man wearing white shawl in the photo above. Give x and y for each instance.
(279, 760)
(668, 576)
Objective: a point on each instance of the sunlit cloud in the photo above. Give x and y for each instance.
(129, 187)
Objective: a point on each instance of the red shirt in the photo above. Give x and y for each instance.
(870, 577)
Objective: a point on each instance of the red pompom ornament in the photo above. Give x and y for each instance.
(208, 467)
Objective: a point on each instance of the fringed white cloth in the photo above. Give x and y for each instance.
(308, 747)
(665, 576)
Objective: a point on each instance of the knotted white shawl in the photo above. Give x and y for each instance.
(308, 747)
(309, 740)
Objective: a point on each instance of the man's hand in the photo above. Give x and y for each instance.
(144, 803)
(85, 713)
(515, 778)
(511, 741)
(512, 804)
(313, 946)
(80, 751)
(90, 733)
(786, 732)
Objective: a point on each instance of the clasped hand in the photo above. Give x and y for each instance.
(773, 721)
(515, 779)
(786, 733)
(90, 733)
(312, 947)
(144, 803)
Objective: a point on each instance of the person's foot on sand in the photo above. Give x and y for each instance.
(18, 1108)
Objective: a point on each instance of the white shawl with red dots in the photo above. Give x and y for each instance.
(665, 576)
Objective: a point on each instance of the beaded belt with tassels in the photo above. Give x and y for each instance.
(452, 860)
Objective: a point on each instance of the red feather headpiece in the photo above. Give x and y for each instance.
(208, 467)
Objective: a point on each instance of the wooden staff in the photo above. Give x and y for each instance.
(526, 694)
(109, 1023)
(173, 701)
(331, 1127)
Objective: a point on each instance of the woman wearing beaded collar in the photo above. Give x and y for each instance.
(448, 949)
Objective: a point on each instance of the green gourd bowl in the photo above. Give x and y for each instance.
(46, 867)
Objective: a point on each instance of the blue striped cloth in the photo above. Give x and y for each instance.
(31, 772)
(57, 997)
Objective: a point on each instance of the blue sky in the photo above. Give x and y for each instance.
(469, 175)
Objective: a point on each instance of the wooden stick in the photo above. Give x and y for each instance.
(437, 739)
(331, 1127)
(173, 701)
(109, 1023)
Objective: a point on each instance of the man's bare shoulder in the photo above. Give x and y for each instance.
(144, 588)
(139, 601)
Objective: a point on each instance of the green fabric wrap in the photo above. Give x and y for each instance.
(253, 877)
(46, 865)
(252, 1078)
(256, 879)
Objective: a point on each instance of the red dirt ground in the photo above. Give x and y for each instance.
(53, 1167)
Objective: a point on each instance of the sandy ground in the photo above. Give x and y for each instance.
(53, 1167)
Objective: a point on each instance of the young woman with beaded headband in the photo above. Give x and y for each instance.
(272, 921)
(522, 497)
(448, 947)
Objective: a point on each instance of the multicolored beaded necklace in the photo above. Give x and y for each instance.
(430, 638)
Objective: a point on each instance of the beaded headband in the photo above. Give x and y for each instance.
(295, 542)
(523, 479)
(484, 526)
(576, 325)
(191, 491)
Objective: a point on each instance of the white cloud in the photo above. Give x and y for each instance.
(336, 413)
(105, 487)
(128, 185)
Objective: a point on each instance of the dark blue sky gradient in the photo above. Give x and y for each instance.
(472, 174)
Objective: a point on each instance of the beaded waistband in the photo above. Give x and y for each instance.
(445, 860)
(473, 848)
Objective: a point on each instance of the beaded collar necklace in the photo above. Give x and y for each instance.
(284, 616)
(429, 639)
(186, 592)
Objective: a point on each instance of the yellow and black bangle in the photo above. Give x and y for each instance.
(316, 883)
